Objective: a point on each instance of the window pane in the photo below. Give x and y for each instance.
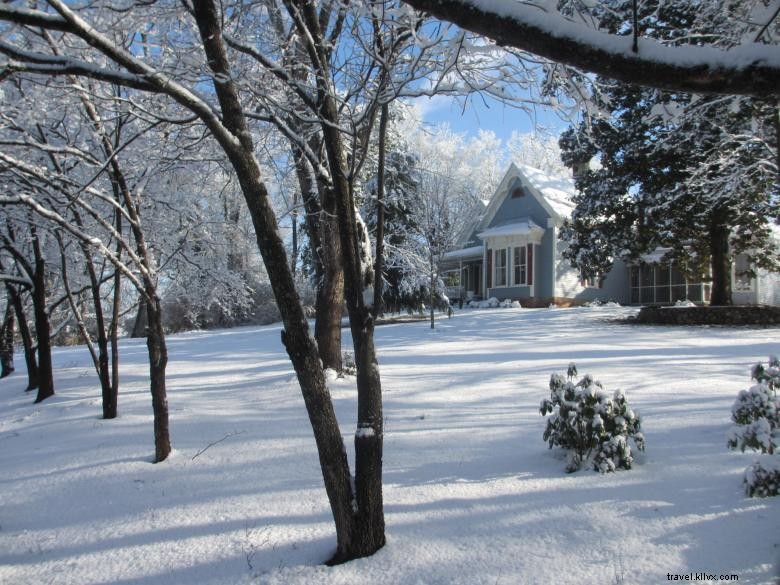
(678, 293)
(647, 275)
(662, 277)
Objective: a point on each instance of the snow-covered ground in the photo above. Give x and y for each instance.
(472, 494)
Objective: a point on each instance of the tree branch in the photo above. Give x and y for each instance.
(748, 69)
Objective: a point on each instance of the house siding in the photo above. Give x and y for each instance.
(569, 286)
(510, 292)
(522, 207)
(768, 288)
(544, 267)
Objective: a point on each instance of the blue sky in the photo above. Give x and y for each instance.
(478, 114)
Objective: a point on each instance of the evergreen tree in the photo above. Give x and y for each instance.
(695, 175)
(405, 268)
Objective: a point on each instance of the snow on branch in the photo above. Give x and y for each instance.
(77, 233)
(747, 69)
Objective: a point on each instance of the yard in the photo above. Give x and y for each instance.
(472, 493)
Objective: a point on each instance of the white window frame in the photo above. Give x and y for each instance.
(520, 265)
(742, 282)
(499, 268)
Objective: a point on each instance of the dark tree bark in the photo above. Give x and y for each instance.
(366, 524)
(139, 323)
(330, 286)
(42, 325)
(7, 330)
(158, 361)
(155, 333)
(721, 261)
(322, 227)
(27, 341)
(300, 346)
(108, 391)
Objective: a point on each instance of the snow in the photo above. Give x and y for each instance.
(472, 493)
(364, 432)
(464, 253)
(557, 190)
(526, 227)
(556, 26)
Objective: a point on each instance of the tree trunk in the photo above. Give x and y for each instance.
(721, 264)
(433, 290)
(139, 325)
(322, 225)
(42, 326)
(114, 336)
(103, 367)
(158, 360)
(7, 341)
(300, 346)
(330, 288)
(27, 341)
(367, 528)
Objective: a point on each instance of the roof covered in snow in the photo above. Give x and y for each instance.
(518, 228)
(558, 191)
(464, 253)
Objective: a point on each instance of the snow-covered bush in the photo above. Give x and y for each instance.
(762, 479)
(591, 425)
(348, 365)
(769, 375)
(494, 303)
(684, 304)
(595, 304)
(756, 412)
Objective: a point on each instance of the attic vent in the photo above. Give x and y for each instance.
(518, 192)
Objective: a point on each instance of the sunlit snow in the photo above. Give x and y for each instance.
(472, 493)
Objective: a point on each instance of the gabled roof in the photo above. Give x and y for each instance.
(557, 191)
(554, 193)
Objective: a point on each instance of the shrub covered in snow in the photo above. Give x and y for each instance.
(596, 304)
(756, 412)
(762, 479)
(684, 304)
(591, 425)
(769, 375)
(494, 303)
(348, 366)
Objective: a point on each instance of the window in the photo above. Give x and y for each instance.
(743, 279)
(520, 266)
(664, 284)
(500, 267)
(518, 192)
